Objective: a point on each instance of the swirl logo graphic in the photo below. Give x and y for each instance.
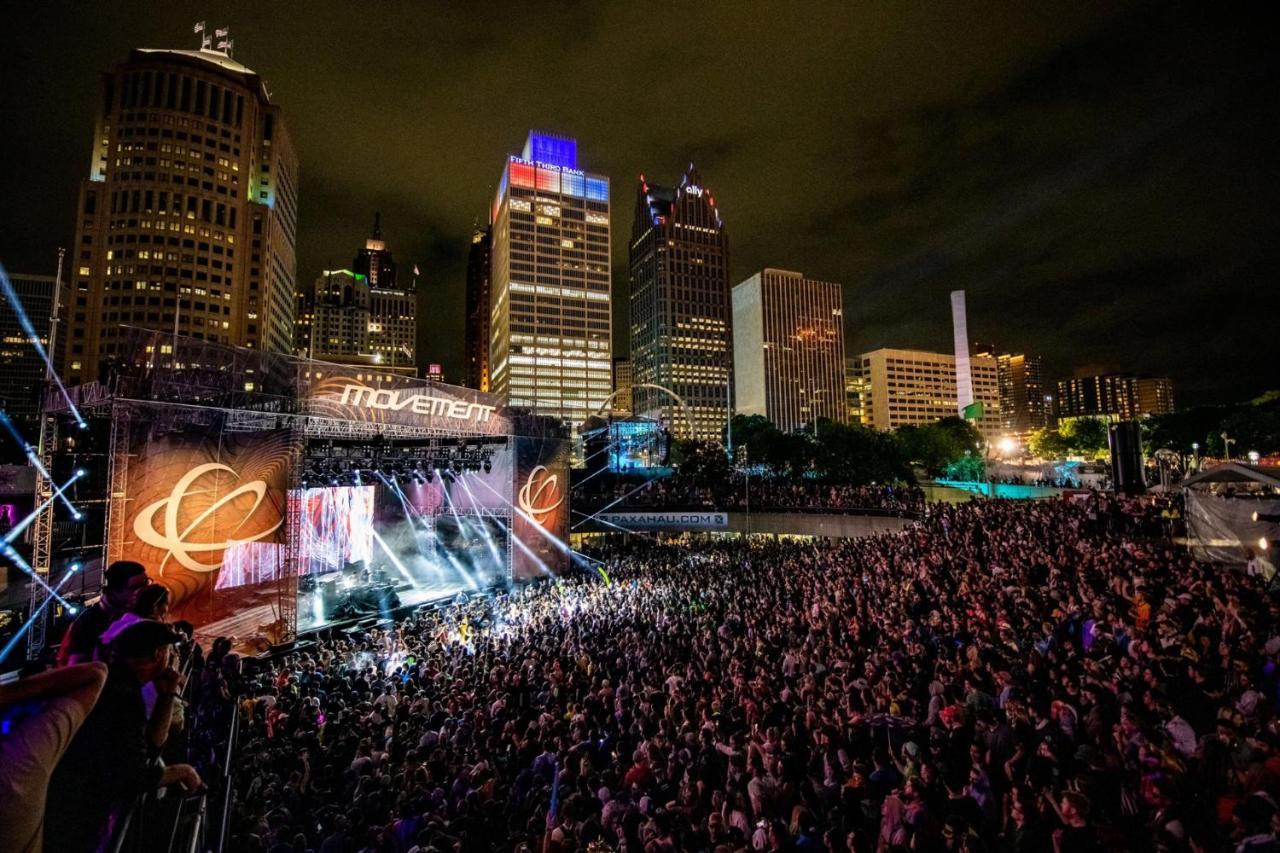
(540, 495)
(174, 541)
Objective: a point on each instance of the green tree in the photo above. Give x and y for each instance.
(1086, 437)
(936, 446)
(1048, 443)
(753, 432)
(786, 453)
(970, 469)
(851, 453)
(702, 461)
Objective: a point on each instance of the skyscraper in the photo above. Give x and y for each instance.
(393, 306)
(374, 261)
(22, 369)
(345, 317)
(551, 333)
(476, 334)
(681, 306)
(788, 349)
(187, 221)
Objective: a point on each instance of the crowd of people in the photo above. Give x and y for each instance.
(998, 677)
(758, 494)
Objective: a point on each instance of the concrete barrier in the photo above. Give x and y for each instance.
(826, 525)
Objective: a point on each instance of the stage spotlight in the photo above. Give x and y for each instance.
(80, 472)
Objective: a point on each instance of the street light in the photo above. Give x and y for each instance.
(1008, 444)
(1253, 457)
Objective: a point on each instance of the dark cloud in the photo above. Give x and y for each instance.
(1099, 176)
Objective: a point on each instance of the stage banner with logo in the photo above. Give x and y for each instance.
(541, 522)
(203, 510)
(369, 396)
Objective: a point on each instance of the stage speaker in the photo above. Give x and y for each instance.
(1125, 441)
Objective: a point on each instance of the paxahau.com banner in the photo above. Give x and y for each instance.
(541, 496)
(204, 512)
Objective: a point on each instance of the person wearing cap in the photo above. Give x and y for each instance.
(107, 764)
(122, 581)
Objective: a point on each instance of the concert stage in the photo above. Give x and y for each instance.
(274, 495)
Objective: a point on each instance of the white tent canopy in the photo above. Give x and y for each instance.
(1222, 505)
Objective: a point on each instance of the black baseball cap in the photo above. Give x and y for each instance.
(142, 638)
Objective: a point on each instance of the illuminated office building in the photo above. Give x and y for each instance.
(550, 337)
(915, 388)
(788, 350)
(476, 334)
(21, 367)
(680, 307)
(187, 221)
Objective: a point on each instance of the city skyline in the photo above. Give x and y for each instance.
(1032, 248)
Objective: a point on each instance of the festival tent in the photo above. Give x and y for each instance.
(1231, 510)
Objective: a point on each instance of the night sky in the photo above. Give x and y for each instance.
(1101, 177)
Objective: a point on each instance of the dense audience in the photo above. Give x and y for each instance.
(757, 493)
(998, 677)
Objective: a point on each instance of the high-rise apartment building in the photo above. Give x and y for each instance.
(623, 379)
(788, 349)
(1155, 395)
(1023, 406)
(476, 334)
(914, 388)
(187, 221)
(22, 369)
(681, 336)
(1105, 395)
(551, 333)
